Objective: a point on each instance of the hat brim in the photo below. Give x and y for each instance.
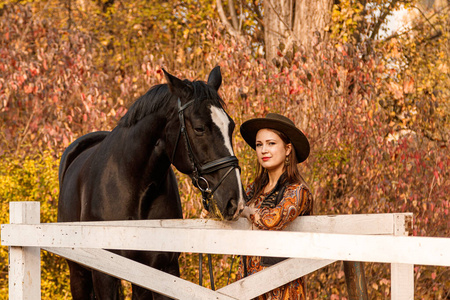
(250, 128)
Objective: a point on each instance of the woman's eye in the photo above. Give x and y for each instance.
(258, 145)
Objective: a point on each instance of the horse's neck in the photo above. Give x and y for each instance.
(141, 149)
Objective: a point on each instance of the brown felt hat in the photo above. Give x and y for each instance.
(250, 128)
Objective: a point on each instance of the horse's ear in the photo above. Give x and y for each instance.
(215, 78)
(177, 86)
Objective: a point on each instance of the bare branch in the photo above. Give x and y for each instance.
(425, 17)
(231, 30)
(382, 18)
(288, 28)
(232, 10)
(436, 35)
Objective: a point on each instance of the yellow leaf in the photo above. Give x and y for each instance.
(185, 33)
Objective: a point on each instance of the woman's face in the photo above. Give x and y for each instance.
(271, 150)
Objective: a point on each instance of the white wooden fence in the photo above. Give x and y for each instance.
(312, 242)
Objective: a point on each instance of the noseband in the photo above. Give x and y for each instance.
(230, 162)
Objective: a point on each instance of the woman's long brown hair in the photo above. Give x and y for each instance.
(292, 173)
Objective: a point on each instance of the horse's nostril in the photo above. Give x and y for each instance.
(231, 208)
(234, 210)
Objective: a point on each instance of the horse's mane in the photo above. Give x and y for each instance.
(159, 95)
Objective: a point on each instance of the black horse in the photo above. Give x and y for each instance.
(125, 174)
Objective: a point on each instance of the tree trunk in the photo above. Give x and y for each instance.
(278, 18)
(289, 21)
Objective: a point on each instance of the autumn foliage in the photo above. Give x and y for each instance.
(378, 127)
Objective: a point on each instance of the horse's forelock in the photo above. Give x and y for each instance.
(203, 92)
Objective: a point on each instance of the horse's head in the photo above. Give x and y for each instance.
(199, 143)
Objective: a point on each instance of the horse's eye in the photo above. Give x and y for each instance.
(199, 130)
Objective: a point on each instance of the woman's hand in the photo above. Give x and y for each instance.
(248, 210)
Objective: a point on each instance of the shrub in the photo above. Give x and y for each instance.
(33, 178)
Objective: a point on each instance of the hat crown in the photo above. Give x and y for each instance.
(279, 117)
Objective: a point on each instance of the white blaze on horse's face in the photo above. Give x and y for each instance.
(220, 118)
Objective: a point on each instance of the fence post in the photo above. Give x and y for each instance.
(356, 280)
(402, 275)
(24, 262)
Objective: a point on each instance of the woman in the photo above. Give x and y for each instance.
(278, 194)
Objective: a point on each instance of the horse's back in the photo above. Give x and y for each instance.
(78, 146)
(68, 209)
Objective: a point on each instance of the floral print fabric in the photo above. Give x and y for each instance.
(296, 201)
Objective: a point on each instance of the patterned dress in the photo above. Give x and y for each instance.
(297, 201)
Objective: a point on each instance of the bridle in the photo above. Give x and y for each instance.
(199, 170)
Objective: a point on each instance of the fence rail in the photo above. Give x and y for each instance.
(369, 238)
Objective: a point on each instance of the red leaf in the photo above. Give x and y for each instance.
(28, 89)
(436, 174)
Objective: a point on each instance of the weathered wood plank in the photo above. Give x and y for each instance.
(24, 262)
(273, 277)
(139, 274)
(385, 249)
(402, 275)
(345, 224)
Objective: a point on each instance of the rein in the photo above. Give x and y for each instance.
(199, 170)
